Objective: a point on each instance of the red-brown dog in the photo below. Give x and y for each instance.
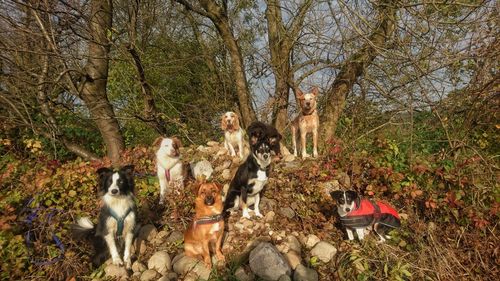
(306, 122)
(207, 226)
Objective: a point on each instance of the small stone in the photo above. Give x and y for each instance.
(175, 237)
(148, 275)
(324, 251)
(162, 234)
(269, 216)
(239, 226)
(294, 243)
(311, 241)
(171, 276)
(185, 264)
(137, 266)
(224, 166)
(283, 248)
(148, 232)
(241, 275)
(303, 273)
(293, 259)
(247, 223)
(212, 143)
(284, 277)
(160, 261)
(226, 174)
(115, 271)
(287, 212)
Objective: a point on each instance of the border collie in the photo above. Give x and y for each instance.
(250, 179)
(358, 213)
(117, 218)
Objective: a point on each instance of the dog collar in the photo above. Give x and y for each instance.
(120, 221)
(309, 113)
(209, 219)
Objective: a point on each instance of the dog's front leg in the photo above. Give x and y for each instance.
(110, 241)
(256, 205)
(240, 149)
(303, 138)
(315, 142)
(218, 246)
(163, 183)
(206, 253)
(244, 198)
(361, 233)
(294, 140)
(126, 253)
(230, 147)
(350, 235)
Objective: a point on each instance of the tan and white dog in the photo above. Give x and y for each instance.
(233, 134)
(306, 122)
(169, 166)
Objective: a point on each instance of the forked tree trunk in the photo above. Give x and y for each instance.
(94, 86)
(354, 67)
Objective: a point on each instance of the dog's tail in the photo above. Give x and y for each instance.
(84, 228)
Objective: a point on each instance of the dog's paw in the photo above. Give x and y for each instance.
(117, 261)
(220, 258)
(246, 215)
(258, 214)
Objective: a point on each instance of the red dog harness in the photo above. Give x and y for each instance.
(366, 213)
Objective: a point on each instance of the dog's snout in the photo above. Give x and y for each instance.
(114, 191)
(347, 209)
(266, 156)
(209, 200)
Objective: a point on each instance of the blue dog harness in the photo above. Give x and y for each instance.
(120, 221)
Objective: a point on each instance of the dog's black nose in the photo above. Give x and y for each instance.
(348, 209)
(209, 200)
(266, 156)
(114, 191)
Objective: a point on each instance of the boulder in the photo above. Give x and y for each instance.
(175, 237)
(303, 273)
(148, 232)
(149, 275)
(268, 263)
(184, 264)
(160, 261)
(324, 251)
(293, 243)
(115, 271)
(137, 266)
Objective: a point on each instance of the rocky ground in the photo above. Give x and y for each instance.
(295, 240)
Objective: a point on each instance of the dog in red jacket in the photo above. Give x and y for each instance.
(357, 214)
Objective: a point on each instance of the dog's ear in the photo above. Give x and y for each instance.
(300, 94)
(223, 123)
(103, 174)
(236, 122)
(351, 194)
(128, 171)
(177, 143)
(336, 195)
(315, 91)
(157, 141)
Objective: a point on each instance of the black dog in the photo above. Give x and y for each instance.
(261, 132)
(250, 179)
(117, 218)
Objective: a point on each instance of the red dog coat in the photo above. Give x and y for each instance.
(366, 213)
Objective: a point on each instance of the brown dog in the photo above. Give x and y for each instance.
(207, 226)
(306, 122)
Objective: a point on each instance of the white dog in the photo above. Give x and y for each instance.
(233, 134)
(169, 166)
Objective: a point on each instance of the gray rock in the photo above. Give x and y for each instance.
(149, 275)
(175, 237)
(160, 261)
(241, 275)
(201, 170)
(303, 273)
(285, 277)
(267, 263)
(185, 264)
(148, 232)
(311, 241)
(293, 259)
(324, 251)
(293, 243)
(115, 271)
(287, 212)
(138, 266)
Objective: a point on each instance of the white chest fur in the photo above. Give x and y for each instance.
(215, 228)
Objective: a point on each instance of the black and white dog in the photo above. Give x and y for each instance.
(117, 218)
(259, 131)
(357, 214)
(250, 179)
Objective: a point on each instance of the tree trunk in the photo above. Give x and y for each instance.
(355, 66)
(95, 81)
(218, 15)
(281, 42)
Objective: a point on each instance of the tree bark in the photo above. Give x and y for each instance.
(281, 42)
(354, 67)
(218, 15)
(151, 114)
(96, 78)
